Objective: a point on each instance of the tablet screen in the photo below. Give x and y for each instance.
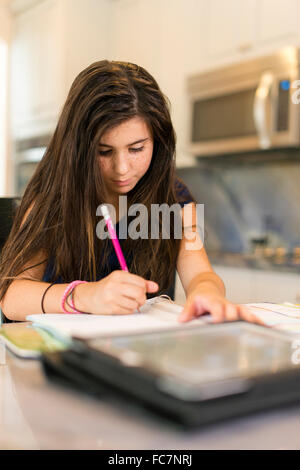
(205, 354)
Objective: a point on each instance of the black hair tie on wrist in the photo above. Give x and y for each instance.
(42, 301)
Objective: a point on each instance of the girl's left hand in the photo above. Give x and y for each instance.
(218, 306)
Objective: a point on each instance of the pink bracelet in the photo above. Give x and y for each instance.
(68, 292)
(72, 306)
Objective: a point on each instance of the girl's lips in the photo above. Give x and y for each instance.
(122, 182)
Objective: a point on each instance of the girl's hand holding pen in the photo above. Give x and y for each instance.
(119, 293)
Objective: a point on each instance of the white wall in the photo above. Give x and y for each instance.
(5, 36)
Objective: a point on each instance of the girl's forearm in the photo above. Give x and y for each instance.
(208, 282)
(23, 298)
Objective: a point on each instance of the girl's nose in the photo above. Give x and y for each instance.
(120, 164)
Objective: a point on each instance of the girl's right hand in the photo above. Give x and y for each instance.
(119, 293)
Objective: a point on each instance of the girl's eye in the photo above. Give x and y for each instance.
(104, 152)
(108, 152)
(139, 149)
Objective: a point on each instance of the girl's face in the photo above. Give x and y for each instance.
(125, 154)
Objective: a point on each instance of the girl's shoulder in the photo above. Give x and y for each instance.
(182, 192)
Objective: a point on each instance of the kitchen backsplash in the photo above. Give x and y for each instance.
(248, 200)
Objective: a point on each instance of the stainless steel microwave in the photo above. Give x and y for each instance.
(247, 106)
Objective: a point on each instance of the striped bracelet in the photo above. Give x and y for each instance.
(68, 292)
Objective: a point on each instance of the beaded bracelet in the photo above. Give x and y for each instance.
(67, 293)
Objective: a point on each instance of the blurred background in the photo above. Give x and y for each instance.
(229, 68)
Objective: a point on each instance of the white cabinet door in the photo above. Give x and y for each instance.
(53, 41)
(277, 20)
(276, 287)
(49, 67)
(87, 32)
(37, 53)
(136, 32)
(239, 283)
(231, 26)
(256, 27)
(22, 70)
(251, 285)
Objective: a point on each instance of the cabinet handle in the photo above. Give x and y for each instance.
(245, 47)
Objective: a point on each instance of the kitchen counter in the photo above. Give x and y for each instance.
(286, 263)
(36, 414)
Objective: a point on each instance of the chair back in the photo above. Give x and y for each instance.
(8, 207)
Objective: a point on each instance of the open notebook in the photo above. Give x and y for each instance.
(157, 314)
(284, 317)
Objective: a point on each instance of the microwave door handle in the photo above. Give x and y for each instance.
(260, 110)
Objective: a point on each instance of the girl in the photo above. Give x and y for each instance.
(114, 138)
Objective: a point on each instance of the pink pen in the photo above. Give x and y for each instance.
(113, 236)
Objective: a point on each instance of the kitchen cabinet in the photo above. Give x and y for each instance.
(172, 39)
(277, 21)
(276, 286)
(251, 285)
(136, 32)
(231, 26)
(5, 32)
(249, 28)
(239, 284)
(37, 69)
(53, 40)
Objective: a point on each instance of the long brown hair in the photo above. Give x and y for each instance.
(67, 186)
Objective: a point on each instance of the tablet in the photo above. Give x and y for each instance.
(205, 362)
(192, 376)
(26, 341)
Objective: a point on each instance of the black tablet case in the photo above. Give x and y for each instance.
(101, 375)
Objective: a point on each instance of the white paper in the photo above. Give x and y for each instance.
(276, 315)
(155, 316)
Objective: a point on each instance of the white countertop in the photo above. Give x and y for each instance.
(35, 414)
